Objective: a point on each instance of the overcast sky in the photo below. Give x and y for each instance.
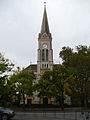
(20, 23)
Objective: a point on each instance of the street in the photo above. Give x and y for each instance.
(48, 116)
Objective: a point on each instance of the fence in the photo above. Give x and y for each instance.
(68, 115)
(58, 115)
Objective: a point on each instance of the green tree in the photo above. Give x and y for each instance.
(22, 82)
(56, 84)
(5, 68)
(63, 78)
(66, 54)
(44, 85)
(80, 62)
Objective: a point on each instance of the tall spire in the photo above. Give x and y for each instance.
(45, 26)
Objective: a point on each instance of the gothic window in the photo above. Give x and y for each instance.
(44, 36)
(46, 54)
(40, 55)
(42, 65)
(43, 55)
(47, 65)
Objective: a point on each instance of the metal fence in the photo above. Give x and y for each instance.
(62, 115)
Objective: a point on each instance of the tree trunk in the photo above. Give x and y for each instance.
(62, 98)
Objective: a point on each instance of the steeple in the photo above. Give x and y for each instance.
(45, 26)
(45, 51)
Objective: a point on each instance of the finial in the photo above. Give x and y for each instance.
(44, 4)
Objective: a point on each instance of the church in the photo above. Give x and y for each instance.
(44, 55)
(44, 62)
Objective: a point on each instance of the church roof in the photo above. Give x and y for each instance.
(32, 67)
(45, 26)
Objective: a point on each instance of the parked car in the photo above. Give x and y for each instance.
(6, 114)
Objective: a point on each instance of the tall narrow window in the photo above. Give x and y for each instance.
(43, 55)
(42, 65)
(46, 54)
(40, 55)
(47, 65)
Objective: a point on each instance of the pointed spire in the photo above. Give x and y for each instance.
(45, 26)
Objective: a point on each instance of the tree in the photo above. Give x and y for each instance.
(22, 81)
(66, 54)
(80, 62)
(56, 84)
(5, 68)
(44, 85)
(63, 78)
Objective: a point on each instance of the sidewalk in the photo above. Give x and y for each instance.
(79, 109)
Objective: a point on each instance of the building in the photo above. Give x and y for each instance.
(44, 54)
(44, 60)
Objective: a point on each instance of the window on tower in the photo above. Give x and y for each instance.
(43, 55)
(42, 65)
(44, 36)
(47, 65)
(46, 54)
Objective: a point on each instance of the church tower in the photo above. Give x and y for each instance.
(45, 52)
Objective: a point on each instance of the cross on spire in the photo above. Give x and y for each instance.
(44, 4)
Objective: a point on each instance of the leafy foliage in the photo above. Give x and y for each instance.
(56, 83)
(44, 85)
(79, 61)
(5, 68)
(22, 82)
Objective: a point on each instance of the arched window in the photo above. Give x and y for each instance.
(46, 54)
(47, 65)
(42, 65)
(43, 55)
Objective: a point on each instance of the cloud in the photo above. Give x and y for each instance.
(20, 23)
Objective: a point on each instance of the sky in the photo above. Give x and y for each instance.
(20, 24)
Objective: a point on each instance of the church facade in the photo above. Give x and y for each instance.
(44, 62)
